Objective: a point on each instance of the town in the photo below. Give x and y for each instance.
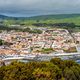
(49, 41)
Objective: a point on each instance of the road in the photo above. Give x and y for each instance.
(31, 57)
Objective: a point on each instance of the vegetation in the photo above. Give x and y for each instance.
(47, 50)
(32, 30)
(1, 42)
(67, 21)
(3, 27)
(56, 69)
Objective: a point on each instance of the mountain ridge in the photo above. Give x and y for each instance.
(54, 16)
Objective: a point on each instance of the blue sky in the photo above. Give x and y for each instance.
(38, 7)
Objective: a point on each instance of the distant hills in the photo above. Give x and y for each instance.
(5, 17)
(56, 16)
(68, 21)
(43, 17)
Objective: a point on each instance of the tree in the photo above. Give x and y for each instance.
(58, 62)
(44, 70)
(1, 42)
(69, 74)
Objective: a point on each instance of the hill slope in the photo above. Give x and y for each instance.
(57, 16)
(43, 17)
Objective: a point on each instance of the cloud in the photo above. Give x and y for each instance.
(38, 7)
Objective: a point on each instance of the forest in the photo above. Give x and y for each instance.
(55, 69)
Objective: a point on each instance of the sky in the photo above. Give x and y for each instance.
(22, 8)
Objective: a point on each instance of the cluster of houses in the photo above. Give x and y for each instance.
(77, 37)
(30, 43)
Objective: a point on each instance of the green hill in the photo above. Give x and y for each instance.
(43, 17)
(60, 19)
(57, 16)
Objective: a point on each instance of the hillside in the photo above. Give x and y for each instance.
(5, 17)
(56, 16)
(43, 17)
(61, 18)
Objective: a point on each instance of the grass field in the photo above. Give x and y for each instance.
(46, 20)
